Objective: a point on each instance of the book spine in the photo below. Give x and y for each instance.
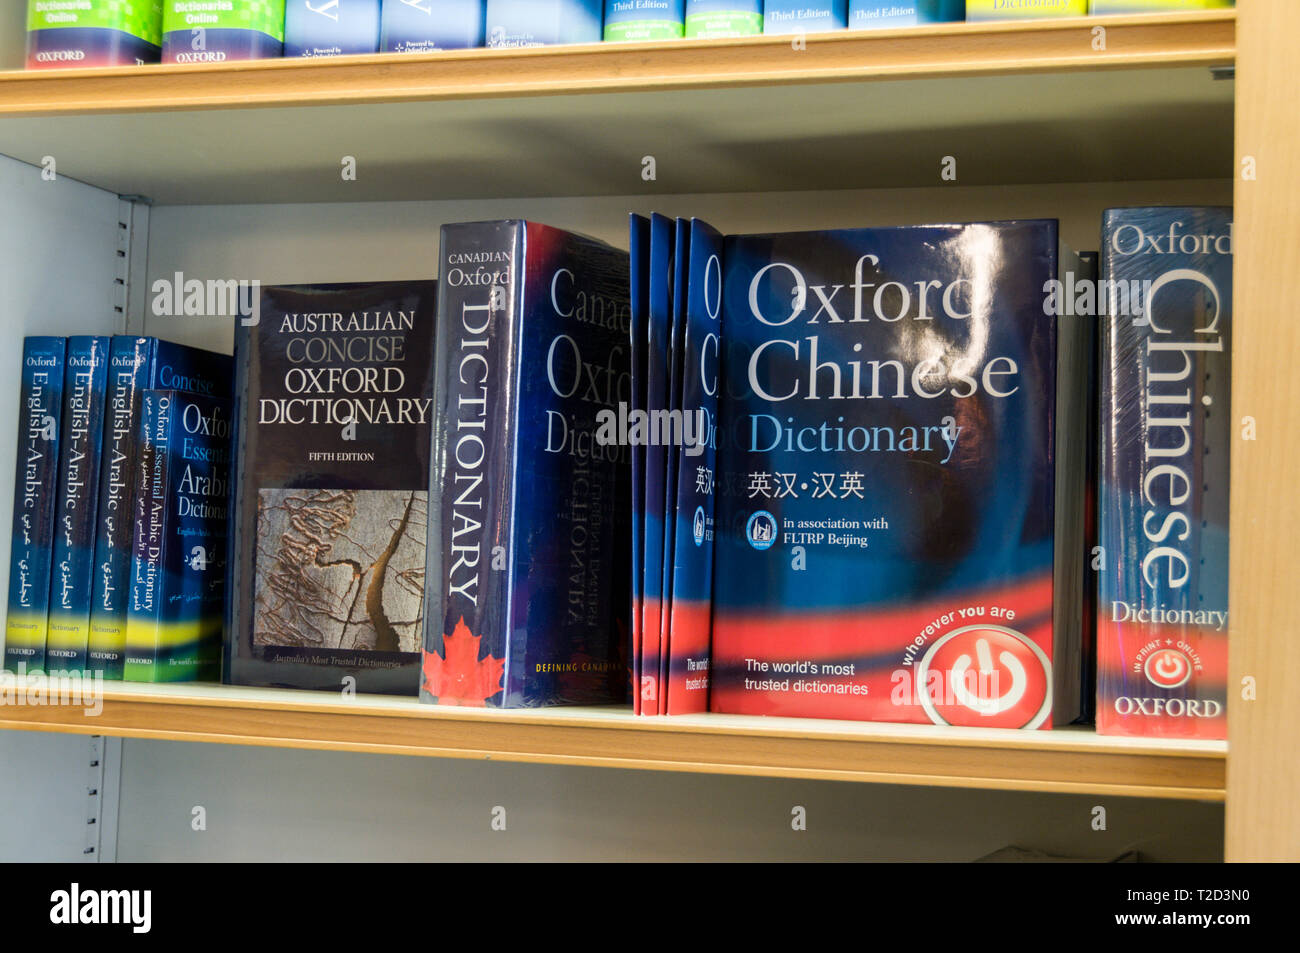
(676, 362)
(144, 611)
(1090, 268)
(1074, 345)
(339, 29)
(1162, 614)
(240, 30)
(892, 14)
(658, 349)
(74, 538)
(35, 499)
(643, 20)
(686, 686)
(423, 27)
(639, 245)
(62, 35)
(801, 16)
(129, 371)
(711, 19)
(193, 556)
(471, 494)
(237, 619)
(519, 23)
(1102, 8)
(980, 10)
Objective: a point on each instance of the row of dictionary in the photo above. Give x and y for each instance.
(108, 33)
(909, 474)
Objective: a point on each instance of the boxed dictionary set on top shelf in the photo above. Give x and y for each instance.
(111, 33)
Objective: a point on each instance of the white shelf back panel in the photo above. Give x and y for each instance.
(262, 804)
(399, 240)
(45, 800)
(58, 267)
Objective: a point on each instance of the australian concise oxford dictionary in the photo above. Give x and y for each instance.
(893, 544)
(1162, 612)
(333, 395)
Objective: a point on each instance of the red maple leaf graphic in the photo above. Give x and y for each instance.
(459, 676)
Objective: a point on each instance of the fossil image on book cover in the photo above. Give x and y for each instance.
(340, 568)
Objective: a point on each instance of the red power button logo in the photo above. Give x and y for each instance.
(985, 675)
(1167, 668)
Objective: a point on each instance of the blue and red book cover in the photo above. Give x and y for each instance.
(528, 574)
(1162, 627)
(675, 438)
(658, 371)
(639, 284)
(689, 620)
(892, 543)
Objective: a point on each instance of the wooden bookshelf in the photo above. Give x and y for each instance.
(1026, 102)
(946, 50)
(1263, 816)
(1067, 760)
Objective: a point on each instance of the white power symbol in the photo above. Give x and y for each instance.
(989, 706)
(1171, 666)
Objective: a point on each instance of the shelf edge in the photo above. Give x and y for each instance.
(946, 50)
(612, 739)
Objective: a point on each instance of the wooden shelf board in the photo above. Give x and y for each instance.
(1013, 102)
(957, 49)
(1063, 761)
